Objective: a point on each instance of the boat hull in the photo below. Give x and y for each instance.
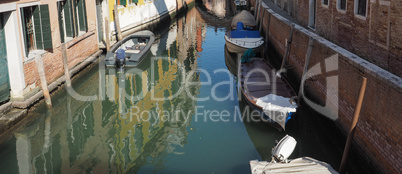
(134, 58)
(240, 45)
(252, 89)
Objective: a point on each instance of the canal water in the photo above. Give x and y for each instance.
(178, 112)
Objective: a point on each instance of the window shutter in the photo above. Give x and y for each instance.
(37, 27)
(134, 1)
(123, 2)
(82, 15)
(61, 28)
(46, 28)
(76, 29)
(68, 19)
(24, 28)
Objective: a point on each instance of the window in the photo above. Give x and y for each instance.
(361, 7)
(121, 2)
(36, 28)
(72, 18)
(325, 2)
(342, 4)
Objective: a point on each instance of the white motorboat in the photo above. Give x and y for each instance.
(281, 164)
(131, 50)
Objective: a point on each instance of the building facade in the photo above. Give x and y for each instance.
(369, 28)
(31, 29)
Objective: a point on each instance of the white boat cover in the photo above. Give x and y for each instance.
(298, 165)
(276, 107)
(246, 17)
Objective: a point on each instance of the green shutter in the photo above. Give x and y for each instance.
(60, 10)
(68, 20)
(46, 28)
(4, 79)
(82, 15)
(24, 31)
(76, 29)
(37, 27)
(123, 2)
(134, 1)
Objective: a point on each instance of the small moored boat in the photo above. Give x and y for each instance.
(281, 164)
(242, 39)
(240, 3)
(246, 18)
(130, 51)
(267, 93)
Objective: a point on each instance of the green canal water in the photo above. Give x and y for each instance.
(176, 113)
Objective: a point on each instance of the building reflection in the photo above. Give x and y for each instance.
(122, 131)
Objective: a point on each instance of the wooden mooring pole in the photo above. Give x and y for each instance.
(262, 20)
(117, 22)
(353, 126)
(308, 58)
(42, 76)
(65, 64)
(258, 12)
(107, 31)
(238, 76)
(288, 44)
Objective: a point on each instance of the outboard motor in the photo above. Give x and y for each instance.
(282, 151)
(239, 26)
(120, 58)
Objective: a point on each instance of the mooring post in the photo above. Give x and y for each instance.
(65, 64)
(238, 76)
(259, 8)
(288, 44)
(107, 34)
(308, 57)
(353, 126)
(117, 21)
(255, 8)
(267, 35)
(42, 76)
(262, 20)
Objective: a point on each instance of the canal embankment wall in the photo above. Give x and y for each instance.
(81, 51)
(336, 86)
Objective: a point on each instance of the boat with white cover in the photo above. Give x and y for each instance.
(281, 164)
(241, 39)
(267, 93)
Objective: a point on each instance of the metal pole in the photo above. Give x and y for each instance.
(117, 22)
(238, 76)
(42, 75)
(308, 57)
(288, 44)
(107, 34)
(65, 63)
(353, 126)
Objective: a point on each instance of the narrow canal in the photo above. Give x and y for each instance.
(178, 112)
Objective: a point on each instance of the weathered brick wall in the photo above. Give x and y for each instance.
(378, 130)
(78, 49)
(375, 37)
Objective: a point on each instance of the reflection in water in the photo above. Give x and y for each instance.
(126, 130)
(231, 61)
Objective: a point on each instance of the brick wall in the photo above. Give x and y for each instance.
(78, 49)
(378, 130)
(375, 37)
